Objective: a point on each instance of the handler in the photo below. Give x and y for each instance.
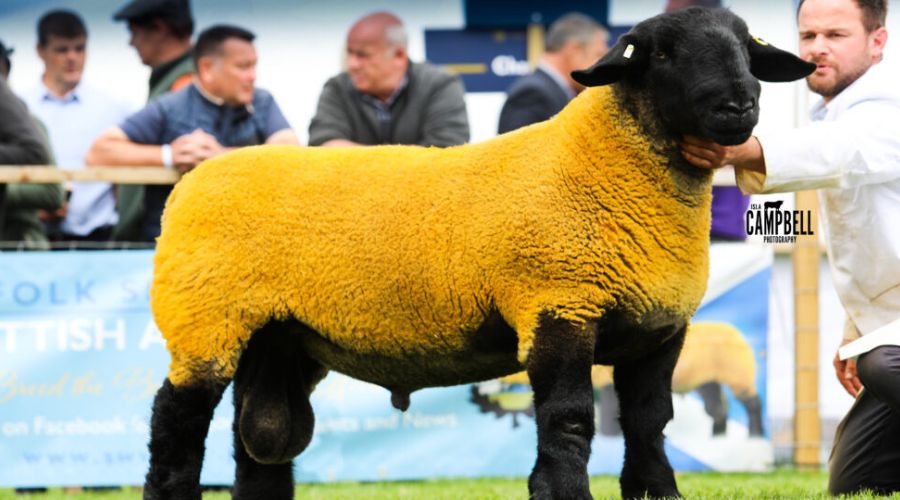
(851, 153)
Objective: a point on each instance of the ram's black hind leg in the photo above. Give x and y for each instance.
(273, 418)
(178, 429)
(559, 367)
(754, 415)
(645, 405)
(716, 405)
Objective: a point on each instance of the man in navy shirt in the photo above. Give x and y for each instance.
(221, 110)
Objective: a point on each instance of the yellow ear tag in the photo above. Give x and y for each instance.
(628, 51)
(759, 40)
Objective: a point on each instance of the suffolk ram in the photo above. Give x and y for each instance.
(575, 241)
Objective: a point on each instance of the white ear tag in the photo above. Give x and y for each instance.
(628, 51)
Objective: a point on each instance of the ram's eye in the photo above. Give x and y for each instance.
(659, 54)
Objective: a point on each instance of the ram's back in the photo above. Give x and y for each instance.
(399, 251)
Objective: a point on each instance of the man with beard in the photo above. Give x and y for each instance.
(852, 154)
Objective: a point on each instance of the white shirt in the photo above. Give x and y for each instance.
(851, 153)
(73, 122)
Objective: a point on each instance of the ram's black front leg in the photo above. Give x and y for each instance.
(559, 367)
(644, 387)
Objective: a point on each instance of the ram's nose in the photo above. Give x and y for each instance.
(737, 107)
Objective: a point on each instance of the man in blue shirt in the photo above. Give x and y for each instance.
(219, 111)
(74, 113)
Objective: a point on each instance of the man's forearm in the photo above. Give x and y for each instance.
(112, 149)
(339, 143)
(284, 136)
(749, 156)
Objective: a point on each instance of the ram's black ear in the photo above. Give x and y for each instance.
(771, 64)
(625, 54)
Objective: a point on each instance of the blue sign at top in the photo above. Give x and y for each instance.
(520, 13)
(487, 60)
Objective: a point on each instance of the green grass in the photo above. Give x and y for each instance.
(781, 484)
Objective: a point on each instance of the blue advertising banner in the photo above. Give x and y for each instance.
(519, 13)
(486, 60)
(81, 359)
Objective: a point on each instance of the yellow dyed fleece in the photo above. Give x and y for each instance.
(402, 251)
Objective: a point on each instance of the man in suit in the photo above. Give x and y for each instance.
(574, 41)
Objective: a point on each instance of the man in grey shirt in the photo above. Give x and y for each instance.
(383, 98)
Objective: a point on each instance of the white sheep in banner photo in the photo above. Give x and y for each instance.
(579, 240)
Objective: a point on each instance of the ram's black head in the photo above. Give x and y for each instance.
(701, 70)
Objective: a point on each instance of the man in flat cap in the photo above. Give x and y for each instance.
(161, 34)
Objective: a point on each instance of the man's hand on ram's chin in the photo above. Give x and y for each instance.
(704, 153)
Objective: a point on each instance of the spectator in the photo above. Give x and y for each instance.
(22, 143)
(221, 110)
(384, 98)
(574, 41)
(680, 4)
(5, 63)
(161, 34)
(851, 153)
(74, 113)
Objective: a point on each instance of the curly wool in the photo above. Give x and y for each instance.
(403, 251)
